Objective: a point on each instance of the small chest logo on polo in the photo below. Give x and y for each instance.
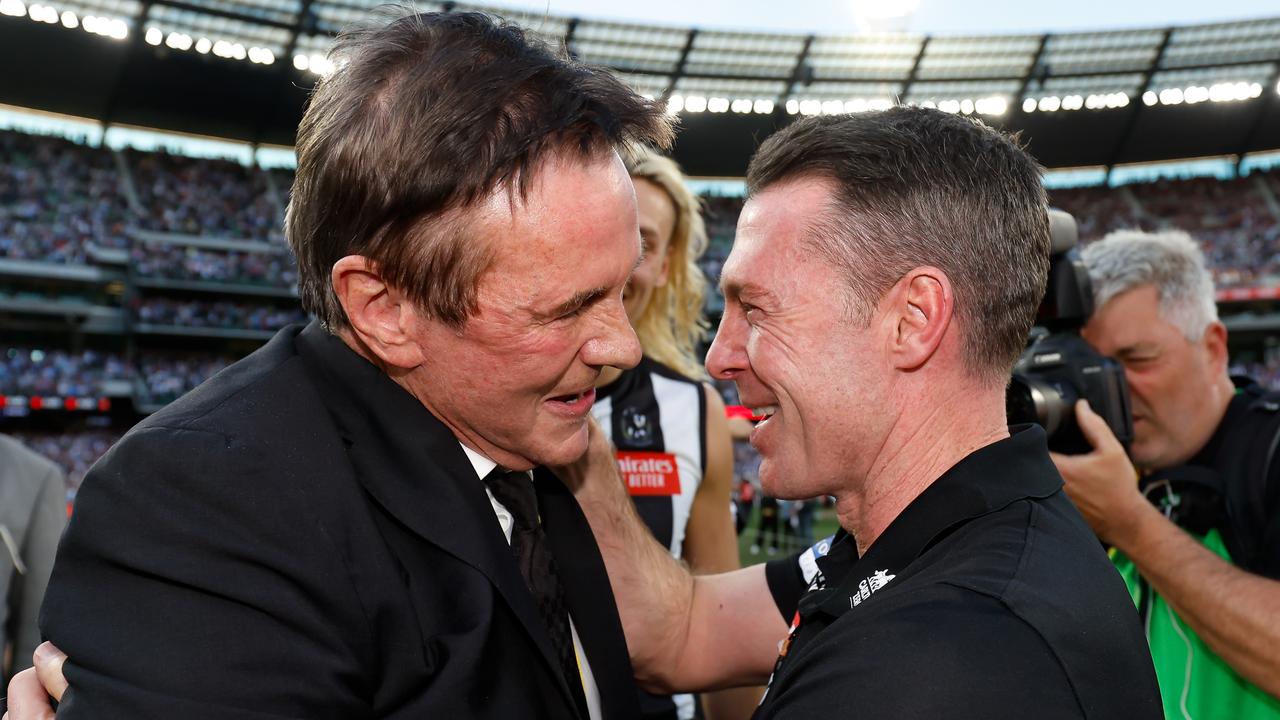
(869, 585)
(649, 473)
(637, 428)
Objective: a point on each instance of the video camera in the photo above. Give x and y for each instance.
(1059, 367)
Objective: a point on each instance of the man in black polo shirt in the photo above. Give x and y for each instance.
(890, 262)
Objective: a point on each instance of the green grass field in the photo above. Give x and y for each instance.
(824, 524)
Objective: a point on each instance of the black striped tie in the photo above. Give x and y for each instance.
(529, 545)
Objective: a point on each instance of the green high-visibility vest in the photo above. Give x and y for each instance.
(1195, 684)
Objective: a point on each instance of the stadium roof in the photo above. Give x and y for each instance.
(240, 69)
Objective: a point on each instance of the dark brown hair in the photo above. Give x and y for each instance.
(422, 117)
(921, 187)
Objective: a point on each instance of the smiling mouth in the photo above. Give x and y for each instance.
(763, 412)
(574, 403)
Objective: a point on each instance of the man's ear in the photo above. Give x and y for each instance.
(919, 307)
(382, 318)
(1215, 342)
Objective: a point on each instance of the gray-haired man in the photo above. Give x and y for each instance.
(1208, 595)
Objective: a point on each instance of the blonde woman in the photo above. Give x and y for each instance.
(669, 426)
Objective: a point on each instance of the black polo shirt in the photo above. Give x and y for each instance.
(987, 597)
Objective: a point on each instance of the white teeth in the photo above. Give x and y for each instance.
(764, 411)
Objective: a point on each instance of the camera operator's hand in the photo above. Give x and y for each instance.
(1102, 483)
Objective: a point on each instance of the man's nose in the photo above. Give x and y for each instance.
(727, 355)
(615, 343)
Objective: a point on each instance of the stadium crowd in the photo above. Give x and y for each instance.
(210, 198)
(180, 262)
(167, 377)
(74, 452)
(33, 371)
(57, 198)
(216, 314)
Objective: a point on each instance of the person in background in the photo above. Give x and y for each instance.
(32, 515)
(667, 423)
(1196, 532)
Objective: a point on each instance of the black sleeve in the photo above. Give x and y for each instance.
(786, 583)
(1268, 560)
(190, 585)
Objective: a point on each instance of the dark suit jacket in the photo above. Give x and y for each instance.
(300, 538)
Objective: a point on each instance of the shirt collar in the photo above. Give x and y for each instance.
(986, 480)
(483, 465)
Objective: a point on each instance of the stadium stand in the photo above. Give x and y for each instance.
(58, 199)
(202, 197)
(216, 314)
(178, 263)
(34, 371)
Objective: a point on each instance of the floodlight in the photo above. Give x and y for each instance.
(793, 106)
(1029, 105)
(675, 104)
(695, 104)
(717, 105)
(154, 35)
(763, 107)
(994, 105)
(203, 45)
(1072, 102)
(1049, 103)
(966, 106)
(1150, 98)
(13, 8)
(69, 20)
(1171, 96)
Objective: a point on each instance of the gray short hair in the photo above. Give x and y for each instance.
(1171, 261)
(922, 187)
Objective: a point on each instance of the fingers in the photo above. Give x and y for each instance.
(1094, 428)
(48, 665)
(27, 699)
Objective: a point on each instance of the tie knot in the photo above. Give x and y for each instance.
(516, 493)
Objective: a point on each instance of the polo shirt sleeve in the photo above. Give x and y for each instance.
(943, 652)
(786, 583)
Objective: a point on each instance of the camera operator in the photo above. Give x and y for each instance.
(1197, 538)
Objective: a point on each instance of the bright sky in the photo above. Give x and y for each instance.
(950, 17)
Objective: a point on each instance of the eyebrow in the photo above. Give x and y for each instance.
(580, 299)
(737, 288)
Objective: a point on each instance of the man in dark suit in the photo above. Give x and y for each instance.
(354, 522)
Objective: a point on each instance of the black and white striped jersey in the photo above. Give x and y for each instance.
(657, 419)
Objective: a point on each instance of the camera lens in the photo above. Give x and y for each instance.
(1031, 399)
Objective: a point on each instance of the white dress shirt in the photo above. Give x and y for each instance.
(483, 466)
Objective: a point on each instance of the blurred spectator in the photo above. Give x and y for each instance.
(1231, 219)
(162, 311)
(31, 521)
(32, 371)
(198, 196)
(180, 262)
(168, 377)
(57, 198)
(74, 452)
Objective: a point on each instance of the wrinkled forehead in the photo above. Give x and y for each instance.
(774, 229)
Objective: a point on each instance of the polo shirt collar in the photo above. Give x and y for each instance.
(986, 480)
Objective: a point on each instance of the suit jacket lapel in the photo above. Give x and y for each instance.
(415, 469)
(588, 594)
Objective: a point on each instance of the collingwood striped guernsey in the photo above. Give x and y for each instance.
(657, 418)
